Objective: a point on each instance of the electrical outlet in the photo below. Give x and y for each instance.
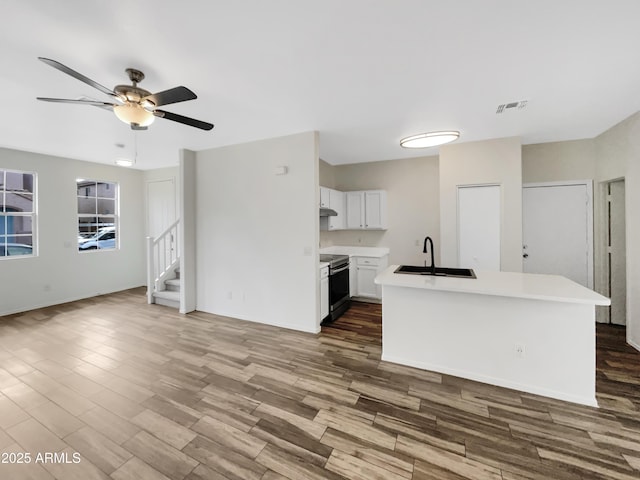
(519, 350)
(417, 243)
(229, 295)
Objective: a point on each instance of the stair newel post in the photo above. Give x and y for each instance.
(150, 270)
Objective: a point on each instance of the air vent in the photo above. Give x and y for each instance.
(511, 106)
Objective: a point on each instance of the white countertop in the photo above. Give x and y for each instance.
(356, 251)
(504, 284)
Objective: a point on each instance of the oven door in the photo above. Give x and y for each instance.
(339, 287)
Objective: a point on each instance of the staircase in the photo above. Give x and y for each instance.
(163, 268)
(170, 295)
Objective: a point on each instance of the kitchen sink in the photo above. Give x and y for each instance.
(439, 271)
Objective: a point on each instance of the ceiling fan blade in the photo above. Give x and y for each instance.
(79, 76)
(192, 122)
(173, 95)
(78, 102)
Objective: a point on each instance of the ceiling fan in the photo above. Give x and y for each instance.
(132, 104)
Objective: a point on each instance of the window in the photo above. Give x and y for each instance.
(17, 213)
(97, 215)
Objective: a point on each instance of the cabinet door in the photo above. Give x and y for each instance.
(375, 202)
(324, 298)
(337, 202)
(353, 277)
(365, 281)
(355, 210)
(324, 197)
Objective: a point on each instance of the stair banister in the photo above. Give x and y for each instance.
(163, 255)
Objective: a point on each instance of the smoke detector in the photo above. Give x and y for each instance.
(511, 106)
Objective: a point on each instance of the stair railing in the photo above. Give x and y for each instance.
(163, 255)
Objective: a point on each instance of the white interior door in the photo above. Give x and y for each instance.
(161, 206)
(617, 254)
(479, 227)
(557, 230)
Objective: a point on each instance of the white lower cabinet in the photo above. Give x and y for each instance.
(366, 270)
(324, 292)
(365, 280)
(353, 277)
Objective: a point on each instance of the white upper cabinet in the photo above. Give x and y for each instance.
(330, 198)
(375, 209)
(355, 210)
(324, 197)
(366, 210)
(336, 202)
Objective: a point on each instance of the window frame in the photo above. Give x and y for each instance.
(33, 214)
(97, 215)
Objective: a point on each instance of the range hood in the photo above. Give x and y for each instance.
(327, 212)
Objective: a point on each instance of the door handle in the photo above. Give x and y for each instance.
(525, 255)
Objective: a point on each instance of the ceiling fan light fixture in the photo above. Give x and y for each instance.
(431, 139)
(133, 105)
(131, 113)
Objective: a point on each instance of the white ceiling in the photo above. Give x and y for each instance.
(364, 73)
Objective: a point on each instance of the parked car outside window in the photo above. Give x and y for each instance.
(14, 249)
(104, 239)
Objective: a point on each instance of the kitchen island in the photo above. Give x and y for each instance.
(534, 333)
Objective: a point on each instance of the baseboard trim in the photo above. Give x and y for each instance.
(366, 300)
(235, 316)
(589, 401)
(61, 301)
(633, 344)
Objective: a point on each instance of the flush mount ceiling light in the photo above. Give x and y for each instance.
(124, 162)
(127, 161)
(431, 139)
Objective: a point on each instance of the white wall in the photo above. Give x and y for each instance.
(60, 273)
(618, 156)
(257, 232)
(559, 161)
(475, 163)
(327, 174)
(188, 258)
(413, 205)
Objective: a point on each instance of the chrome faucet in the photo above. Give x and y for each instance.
(424, 250)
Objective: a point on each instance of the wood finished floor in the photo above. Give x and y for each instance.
(141, 392)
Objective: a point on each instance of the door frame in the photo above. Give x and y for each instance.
(606, 279)
(589, 187)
